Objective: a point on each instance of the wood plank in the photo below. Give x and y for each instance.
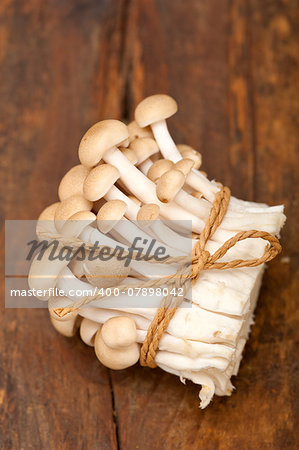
(59, 74)
(215, 58)
(233, 69)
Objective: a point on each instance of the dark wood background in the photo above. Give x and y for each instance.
(233, 67)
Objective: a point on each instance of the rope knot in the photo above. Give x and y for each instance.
(199, 262)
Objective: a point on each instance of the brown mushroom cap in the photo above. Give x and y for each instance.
(68, 324)
(104, 274)
(158, 168)
(119, 332)
(184, 165)
(75, 224)
(115, 359)
(99, 138)
(44, 272)
(155, 108)
(132, 157)
(148, 213)
(70, 206)
(144, 148)
(98, 204)
(72, 182)
(109, 214)
(188, 152)
(136, 132)
(169, 185)
(45, 223)
(99, 181)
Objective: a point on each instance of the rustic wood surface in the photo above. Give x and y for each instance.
(233, 67)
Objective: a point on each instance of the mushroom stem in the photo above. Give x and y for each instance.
(145, 189)
(165, 141)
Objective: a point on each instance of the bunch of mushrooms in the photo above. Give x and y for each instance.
(136, 174)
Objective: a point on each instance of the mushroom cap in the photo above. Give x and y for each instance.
(99, 138)
(119, 332)
(169, 185)
(158, 168)
(45, 223)
(155, 108)
(98, 204)
(76, 266)
(58, 303)
(70, 206)
(44, 272)
(68, 328)
(115, 359)
(99, 181)
(132, 157)
(104, 274)
(109, 214)
(189, 152)
(136, 132)
(184, 165)
(74, 226)
(144, 148)
(72, 182)
(148, 212)
(88, 331)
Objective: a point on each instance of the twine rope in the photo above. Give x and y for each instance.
(201, 260)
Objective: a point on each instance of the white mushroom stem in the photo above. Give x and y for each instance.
(144, 268)
(165, 141)
(211, 327)
(235, 219)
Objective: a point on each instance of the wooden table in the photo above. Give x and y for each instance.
(233, 68)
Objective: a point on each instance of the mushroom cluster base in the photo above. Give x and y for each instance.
(133, 180)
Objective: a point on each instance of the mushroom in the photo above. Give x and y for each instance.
(148, 216)
(88, 331)
(99, 181)
(109, 214)
(154, 111)
(169, 184)
(102, 136)
(68, 324)
(44, 272)
(144, 148)
(189, 152)
(72, 182)
(158, 168)
(70, 206)
(77, 222)
(116, 359)
(104, 274)
(184, 165)
(136, 132)
(100, 142)
(148, 213)
(119, 332)
(45, 223)
(132, 157)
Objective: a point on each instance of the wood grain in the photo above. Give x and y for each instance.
(233, 67)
